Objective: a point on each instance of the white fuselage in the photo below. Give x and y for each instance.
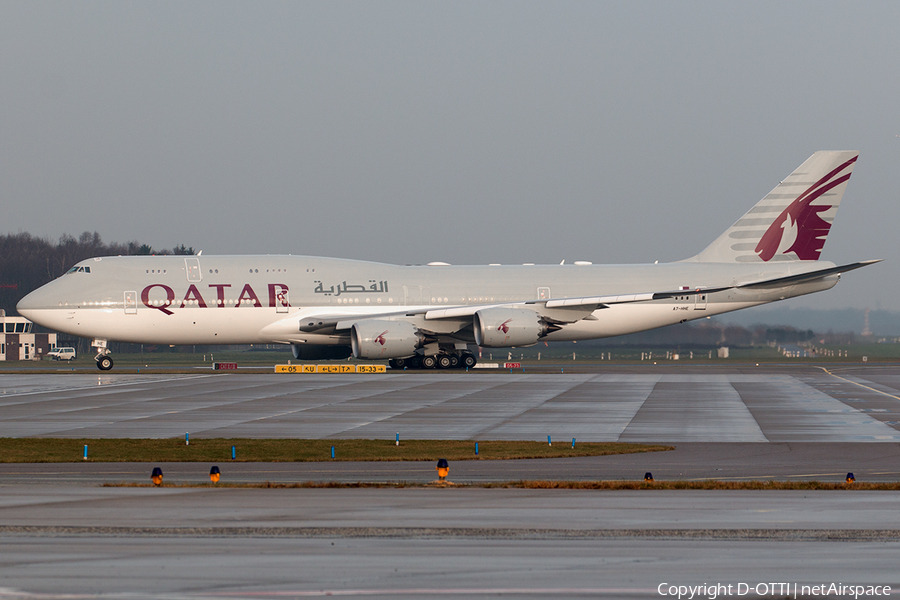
(263, 299)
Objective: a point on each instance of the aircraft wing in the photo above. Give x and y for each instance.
(558, 310)
(606, 301)
(564, 310)
(804, 277)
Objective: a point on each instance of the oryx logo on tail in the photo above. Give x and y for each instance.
(799, 228)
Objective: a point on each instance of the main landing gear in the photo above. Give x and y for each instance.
(444, 360)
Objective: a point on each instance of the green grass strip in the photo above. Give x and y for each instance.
(60, 450)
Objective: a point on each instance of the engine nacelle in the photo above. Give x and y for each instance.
(380, 338)
(317, 352)
(506, 327)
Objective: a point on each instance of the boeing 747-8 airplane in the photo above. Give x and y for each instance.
(426, 316)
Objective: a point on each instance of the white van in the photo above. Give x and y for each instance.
(62, 354)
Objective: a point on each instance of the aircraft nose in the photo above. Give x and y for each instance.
(32, 302)
(26, 305)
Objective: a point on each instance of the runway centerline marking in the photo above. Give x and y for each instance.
(859, 384)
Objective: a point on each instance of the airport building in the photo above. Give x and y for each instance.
(19, 342)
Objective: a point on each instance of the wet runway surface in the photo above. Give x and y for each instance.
(253, 566)
(205, 543)
(62, 535)
(628, 404)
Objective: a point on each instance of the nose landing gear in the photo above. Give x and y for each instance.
(104, 360)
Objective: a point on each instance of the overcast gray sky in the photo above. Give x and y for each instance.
(468, 132)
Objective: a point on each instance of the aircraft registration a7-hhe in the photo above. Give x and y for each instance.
(427, 316)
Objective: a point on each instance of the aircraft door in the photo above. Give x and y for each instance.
(414, 295)
(192, 268)
(700, 301)
(543, 293)
(130, 303)
(281, 302)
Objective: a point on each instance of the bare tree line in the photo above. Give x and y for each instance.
(28, 262)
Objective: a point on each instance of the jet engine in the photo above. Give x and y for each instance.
(506, 327)
(380, 338)
(316, 352)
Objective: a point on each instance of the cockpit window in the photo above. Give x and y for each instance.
(77, 269)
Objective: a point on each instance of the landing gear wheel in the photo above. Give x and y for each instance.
(469, 361)
(454, 361)
(415, 362)
(444, 361)
(398, 363)
(105, 363)
(428, 362)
